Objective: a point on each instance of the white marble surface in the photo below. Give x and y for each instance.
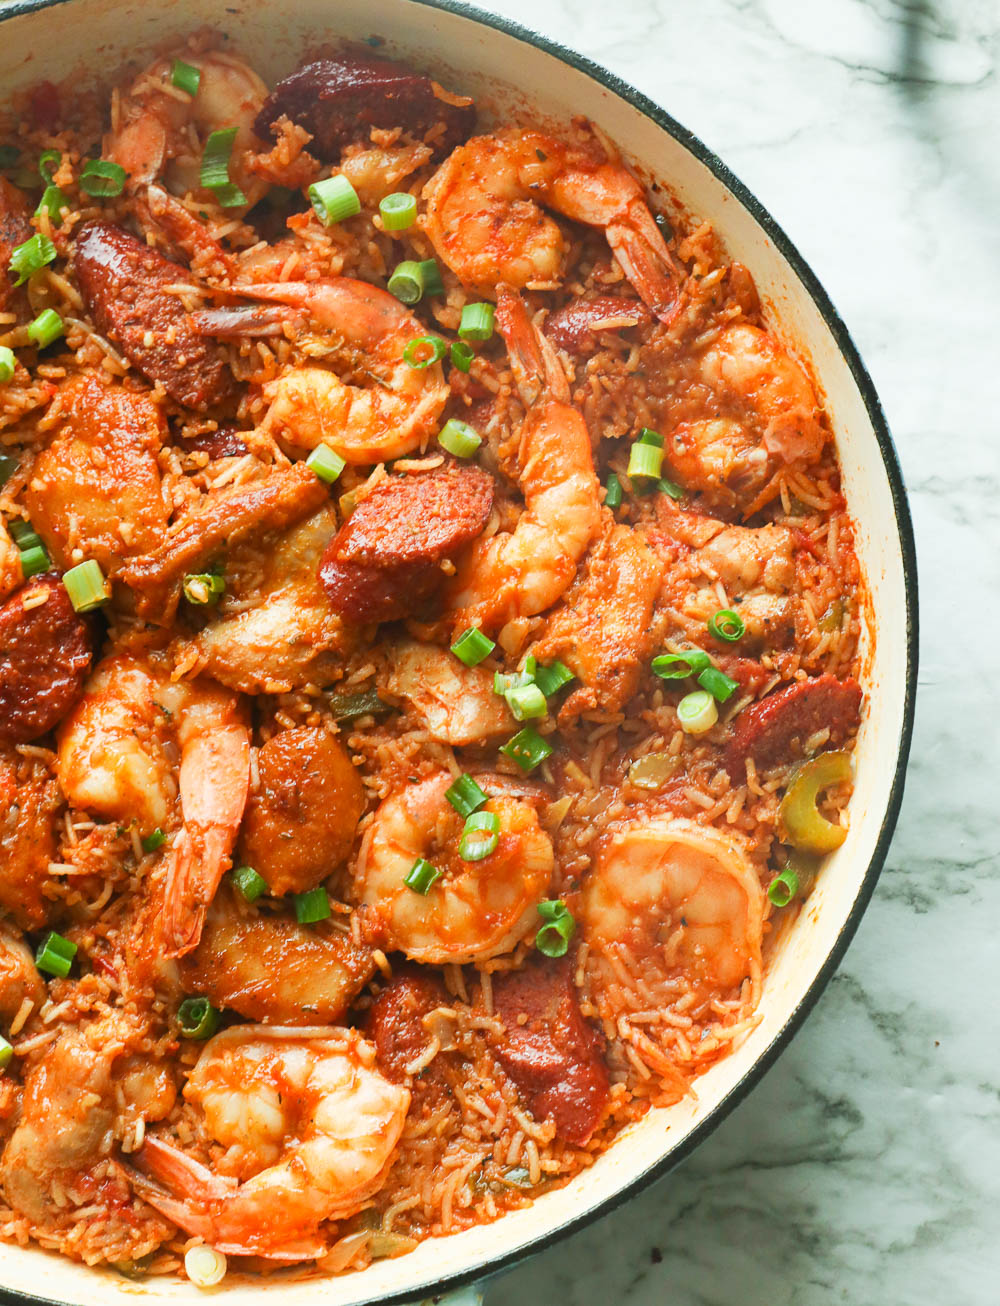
(866, 1167)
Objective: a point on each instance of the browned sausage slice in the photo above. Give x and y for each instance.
(394, 1021)
(125, 284)
(45, 652)
(774, 730)
(226, 442)
(15, 229)
(385, 560)
(550, 1052)
(338, 101)
(572, 328)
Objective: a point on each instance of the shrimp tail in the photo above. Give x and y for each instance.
(533, 359)
(647, 262)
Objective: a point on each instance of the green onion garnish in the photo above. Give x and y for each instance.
(102, 177)
(424, 350)
(670, 488)
(398, 211)
(459, 438)
(644, 461)
(8, 366)
(6, 1052)
(23, 533)
(215, 168)
(31, 257)
(461, 355)
(34, 561)
(55, 955)
(312, 906)
(185, 77)
(155, 839)
(697, 712)
(250, 884)
(527, 749)
(552, 678)
(430, 277)
(46, 328)
(421, 876)
(479, 837)
(48, 162)
(526, 702)
(472, 646)
(477, 322)
(8, 463)
(203, 588)
(646, 436)
(465, 795)
(326, 463)
(613, 492)
(334, 199)
(553, 938)
(783, 887)
(86, 586)
(678, 666)
(348, 707)
(504, 681)
(718, 684)
(406, 282)
(197, 1018)
(53, 202)
(727, 625)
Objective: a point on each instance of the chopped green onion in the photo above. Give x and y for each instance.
(53, 202)
(8, 365)
(6, 1052)
(670, 488)
(553, 938)
(430, 277)
(204, 588)
(477, 322)
(678, 666)
(459, 438)
(398, 211)
(55, 955)
(472, 646)
(312, 906)
(46, 328)
(422, 876)
(526, 702)
(783, 887)
(465, 795)
(34, 561)
(9, 155)
(326, 463)
(727, 625)
(552, 678)
(86, 586)
(31, 256)
(504, 681)
(461, 355)
(718, 684)
(102, 177)
(527, 749)
(8, 463)
(348, 707)
(424, 350)
(646, 436)
(197, 1018)
(185, 77)
(644, 461)
(205, 1266)
(23, 533)
(48, 162)
(215, 168)
(155, 839)
(480, 836)
(334, 199)
(697, 712)
(406, 282)
(250, 884)
(613, 492)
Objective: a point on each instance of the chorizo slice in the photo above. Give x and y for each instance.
(774, 730)
(394, 1021)
(226, 442)
(15, 229)
(45, 654)
(125, 286)
(550, 1051)
(573, 328)
(30, 804)
(339, 100)
(384, 562)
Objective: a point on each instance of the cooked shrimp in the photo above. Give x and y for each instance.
(159, 130)
(377, 170)
(484, 221)
(477, 909)
(310, 1126)
(20, 981)
(756, 567)
(522, 572)
(115, 760)
(311, 405)
(455, 703)
(11, 574)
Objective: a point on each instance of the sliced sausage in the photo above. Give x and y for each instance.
(299, 825)
(550, 1052)
(338, 101)
(572, 328)
(394, 1021)
(774, 730)
(226, 442)
(124, 286)
(15, 229)
(384, 562)
(45, 653)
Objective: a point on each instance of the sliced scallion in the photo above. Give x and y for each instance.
(326, 463)
(102, 177)
(479, 837)
(678, 666)
(783, 887)
(8, 366)
(6, 1052)
(422, 876)
(424, 350)
(23, 533)
(46, 328)
(459, 438)
(197, 1018)
(697, 712)
(251, 885)
(406, 282)
(505, 681)
(53, 202)
(34, 561)
(613, 492)
(553, 938)
(465, 795)
(31, 256)
(398, 211)
(670, 488)
(215, 168)
(461, 355)
(334, 199)
(527, 749)
(472, 646)
(86, 586)
(48, 162)
(311, 906)
(55, 955)
(204, 588)
(186, 77)
(644, 461)
(155, 839)
(430, 276)
(727, 625)
(477, 322)
(552, 678)
(526, 702)
(718, 684)
(646, 436)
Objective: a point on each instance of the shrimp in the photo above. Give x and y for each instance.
(483, 218)
(114, 760)
(456, 704)
(310, 1127)
(20, 981)
(159, 130)
(756, 567)
(477, 909)
(311, 405)
(522, 572)
(11, 573)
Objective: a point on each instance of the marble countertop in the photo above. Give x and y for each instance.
(866, 1166)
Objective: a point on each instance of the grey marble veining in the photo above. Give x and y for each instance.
(866, 1167)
